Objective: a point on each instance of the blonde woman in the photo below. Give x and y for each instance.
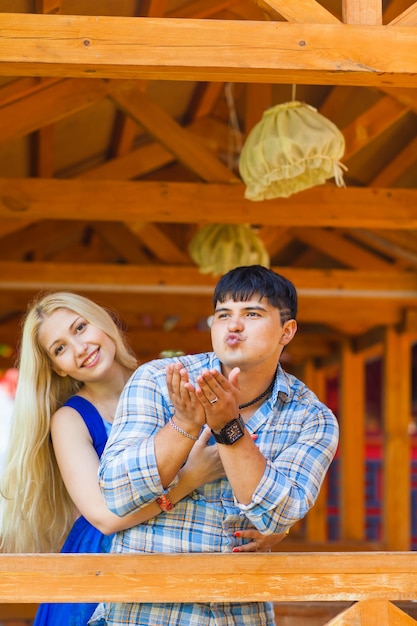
(74, 363)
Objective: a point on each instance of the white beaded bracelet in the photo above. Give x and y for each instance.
(180, 430)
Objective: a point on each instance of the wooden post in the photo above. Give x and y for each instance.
(396, 442)
(352, 445)
(316, 519)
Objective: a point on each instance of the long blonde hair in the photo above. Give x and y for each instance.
(37, 512)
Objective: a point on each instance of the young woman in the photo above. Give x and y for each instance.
(74, 362)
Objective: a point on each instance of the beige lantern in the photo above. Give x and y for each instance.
(218, 248)
(292, 148)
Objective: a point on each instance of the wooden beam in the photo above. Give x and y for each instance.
(407, 17)
(304, 11)
(352, 444)
(334, 245)
(316, 519)
(103, 200)
(371, 124)
(178, 140)
(362, 11)
(312, 284)
(244, 577)
(48, 103)
(204, 50)
(396, 477)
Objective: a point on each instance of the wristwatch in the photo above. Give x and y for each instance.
(232, 432)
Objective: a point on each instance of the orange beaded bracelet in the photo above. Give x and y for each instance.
(164, 503)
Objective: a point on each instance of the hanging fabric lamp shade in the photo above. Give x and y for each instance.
(292, 148)
(218, 248)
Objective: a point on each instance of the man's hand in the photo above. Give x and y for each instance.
(219, 396)
(189, 413)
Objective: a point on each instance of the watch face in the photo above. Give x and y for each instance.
(234, 431)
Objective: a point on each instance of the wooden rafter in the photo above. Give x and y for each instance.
(190, 49)
(30, 199)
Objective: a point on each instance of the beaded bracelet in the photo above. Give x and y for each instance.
(180, 430)
(164, 502)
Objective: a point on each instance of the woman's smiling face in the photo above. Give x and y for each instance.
(76, 347)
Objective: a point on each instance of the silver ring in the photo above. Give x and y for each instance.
(215, 400)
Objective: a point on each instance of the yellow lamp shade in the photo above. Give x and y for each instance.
(218, 248)
(292, 148)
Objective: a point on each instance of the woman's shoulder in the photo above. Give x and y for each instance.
(76, 405)
(65, 421)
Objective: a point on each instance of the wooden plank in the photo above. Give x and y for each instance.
(410, 323)
(362, 12)
(341, 285)
(351, 316)
(404, 159)
(407, 97)
(152, 155)
(204, 50)
(371, 612)
(204, 100)
(208, 577)
(336, 246)
(49, 104)
(371, 124)
(396, 486)
(302, 11)
(392, 244)
(127, 201)
(48, 6)
(183, 289)
(407, 18)
(352, 444)
(162, 246)
(178, 140)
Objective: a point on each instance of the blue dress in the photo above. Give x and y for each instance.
(83, 537)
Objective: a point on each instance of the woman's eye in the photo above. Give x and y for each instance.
(81, 326)
(58, 350)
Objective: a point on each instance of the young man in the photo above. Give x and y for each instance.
(275, 439)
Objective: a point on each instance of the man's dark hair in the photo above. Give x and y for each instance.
(242, 283)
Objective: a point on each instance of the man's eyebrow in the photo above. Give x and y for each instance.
(252, 307)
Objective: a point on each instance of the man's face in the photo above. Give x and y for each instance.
(248, 333)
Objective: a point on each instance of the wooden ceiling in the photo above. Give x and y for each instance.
(121, 124)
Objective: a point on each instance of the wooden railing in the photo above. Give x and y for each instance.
(371, 579)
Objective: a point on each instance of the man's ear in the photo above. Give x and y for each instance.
(289, 330)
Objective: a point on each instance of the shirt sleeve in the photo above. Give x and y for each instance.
(128, 472)
(293, 476)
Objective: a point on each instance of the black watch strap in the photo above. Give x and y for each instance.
(231, 432)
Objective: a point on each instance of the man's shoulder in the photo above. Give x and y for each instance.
(295, 388)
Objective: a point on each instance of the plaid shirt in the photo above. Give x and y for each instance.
(296, 433)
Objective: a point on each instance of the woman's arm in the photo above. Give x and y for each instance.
(78, 463)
